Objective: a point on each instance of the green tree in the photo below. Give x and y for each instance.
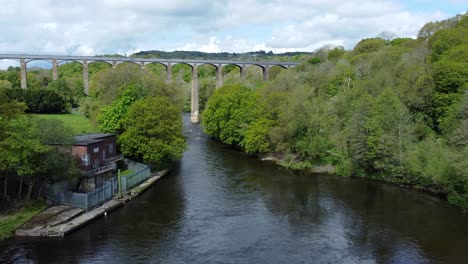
(70, 69)
(336, 53)
(308, 123)
(387, 124)
(112, 116)
(5, 84)
(57, 163)
(9, 110)
(22, 148)
(369, 45)
(256, 139)
(153, 132)
(229, 112)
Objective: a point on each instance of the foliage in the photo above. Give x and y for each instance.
(109, 84)
(38, 100)
(68, 90)
(314, 60)
(9, 223)
(9, 110)
(110, 119)
(256, 138)
(153, 132)
(387, 134)
(369, 45)
(70, 69)
(229, 112)
(394, 109)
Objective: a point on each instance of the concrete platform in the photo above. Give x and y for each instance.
(60, 220)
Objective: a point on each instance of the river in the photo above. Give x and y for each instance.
(220, 206)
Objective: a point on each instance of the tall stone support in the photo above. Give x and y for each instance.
(266, 73)
(142, 65)
(114, 64)
(85, 77)
(242, 72)
(54, 70)
(169, 73)
(219, 76)
(24, 74)
(194, 116)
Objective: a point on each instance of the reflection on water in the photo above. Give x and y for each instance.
(218, 205)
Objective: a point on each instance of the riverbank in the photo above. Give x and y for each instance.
(60, 220)
(295, 164)
(12, 220)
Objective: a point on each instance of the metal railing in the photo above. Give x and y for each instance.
(102, 194)
(131, 180)
(87, 200)
(99, 170)
(115, 158)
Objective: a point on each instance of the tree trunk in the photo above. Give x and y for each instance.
(30, 187)
(5, 189)
(400, 147)
(20, 187)
(40, 191)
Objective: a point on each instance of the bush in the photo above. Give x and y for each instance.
(39, 101)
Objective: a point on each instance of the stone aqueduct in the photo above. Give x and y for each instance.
(55, 60)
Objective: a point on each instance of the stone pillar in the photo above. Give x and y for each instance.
(54, 70)
(142, 65)
(24, 74)
(85, 77)
(194, 116)
(219, 76)
(242, 72)
(169, 73)
(266, 73)
(114, 64)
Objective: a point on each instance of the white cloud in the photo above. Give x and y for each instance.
(88, 27)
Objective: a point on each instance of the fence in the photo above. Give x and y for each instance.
(131, 180)
(85, 200)
(102, 194)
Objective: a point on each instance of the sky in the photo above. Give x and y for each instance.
(93, 27)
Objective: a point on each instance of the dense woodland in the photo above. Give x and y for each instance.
(393, 109)
(390, 109)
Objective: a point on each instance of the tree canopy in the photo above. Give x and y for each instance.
(153, 132)
(393, 109)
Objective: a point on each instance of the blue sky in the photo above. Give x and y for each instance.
(89, 27)
(449, 7)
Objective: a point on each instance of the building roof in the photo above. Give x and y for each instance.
(87, 139)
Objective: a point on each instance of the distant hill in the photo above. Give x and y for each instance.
(252, 55)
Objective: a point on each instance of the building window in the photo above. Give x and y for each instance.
(111, 148)
(85, 159)
(96, 149)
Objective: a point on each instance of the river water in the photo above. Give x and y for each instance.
(220, 206)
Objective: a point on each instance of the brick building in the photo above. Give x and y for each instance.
(96, 155)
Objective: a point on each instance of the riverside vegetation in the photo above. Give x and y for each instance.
(390, 109)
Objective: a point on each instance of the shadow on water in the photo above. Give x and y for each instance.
(220, 206)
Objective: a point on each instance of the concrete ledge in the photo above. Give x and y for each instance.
(60, 220)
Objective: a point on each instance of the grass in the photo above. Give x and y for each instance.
(126, 172)
(10, 222)
(78, 123)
